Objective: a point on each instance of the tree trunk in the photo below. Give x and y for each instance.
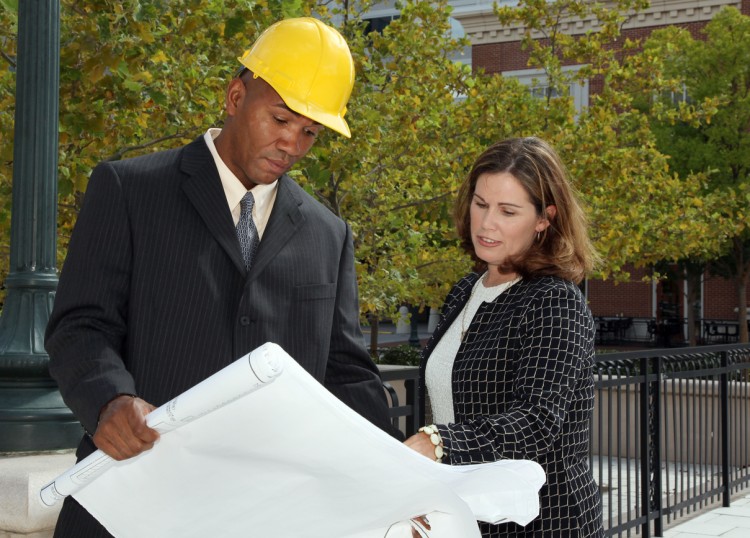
(374, 321)
(742, 304)
(743, 270)
(693, 279)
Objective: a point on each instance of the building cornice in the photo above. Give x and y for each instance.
(482, 27)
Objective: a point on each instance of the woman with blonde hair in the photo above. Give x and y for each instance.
(509, 368)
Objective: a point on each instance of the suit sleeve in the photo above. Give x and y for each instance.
(86, 331)
(351, 375)
(550, 360)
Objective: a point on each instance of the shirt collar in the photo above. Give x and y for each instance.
(234, 190)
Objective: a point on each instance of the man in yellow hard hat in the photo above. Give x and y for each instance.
(184, 260)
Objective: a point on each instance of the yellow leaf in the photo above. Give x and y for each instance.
(159, 58)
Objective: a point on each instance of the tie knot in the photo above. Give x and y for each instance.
(248, 201)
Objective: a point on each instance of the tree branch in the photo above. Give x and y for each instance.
(120, 154)
(8, 59)
(422, 202)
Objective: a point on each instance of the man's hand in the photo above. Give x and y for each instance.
(122, 431)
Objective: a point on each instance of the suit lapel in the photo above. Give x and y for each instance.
(203, 188)
(285, 218)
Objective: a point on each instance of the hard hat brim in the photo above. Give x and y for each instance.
(331, 121)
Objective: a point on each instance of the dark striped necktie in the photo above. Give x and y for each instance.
(247, 233)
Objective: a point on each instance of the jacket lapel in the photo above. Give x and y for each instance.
(285, 219)
(203, 189)
(454, 303)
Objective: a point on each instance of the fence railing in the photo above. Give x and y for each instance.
(670, 431)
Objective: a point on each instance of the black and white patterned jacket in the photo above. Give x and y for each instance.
(523, 388)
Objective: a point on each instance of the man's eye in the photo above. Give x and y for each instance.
(279, 120)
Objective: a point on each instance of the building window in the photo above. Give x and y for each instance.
(378, 24)
(676, 97)
(538, 83)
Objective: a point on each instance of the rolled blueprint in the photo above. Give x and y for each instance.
(247, 374)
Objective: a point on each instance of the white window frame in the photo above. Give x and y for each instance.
(536, 79)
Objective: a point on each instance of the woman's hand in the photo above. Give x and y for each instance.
(419, 527)
(422, 444)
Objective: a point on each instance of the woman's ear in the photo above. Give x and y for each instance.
(543, 223)
(551, 212)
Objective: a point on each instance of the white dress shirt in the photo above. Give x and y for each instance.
(234, 190)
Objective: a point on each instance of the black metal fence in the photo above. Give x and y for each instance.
(670, 431)
(670, 434)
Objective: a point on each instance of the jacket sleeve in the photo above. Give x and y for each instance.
(549, 362)
(351, 375)
(86, 331)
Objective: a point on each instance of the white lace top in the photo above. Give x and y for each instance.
(440, 366)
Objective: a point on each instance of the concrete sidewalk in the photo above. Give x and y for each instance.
(732, 522)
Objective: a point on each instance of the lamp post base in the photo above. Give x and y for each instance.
(33, 417)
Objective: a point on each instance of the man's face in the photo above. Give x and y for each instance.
(262, 138)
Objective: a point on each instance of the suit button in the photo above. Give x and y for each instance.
(244, 320)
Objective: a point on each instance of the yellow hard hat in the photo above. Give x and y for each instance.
(309, 65)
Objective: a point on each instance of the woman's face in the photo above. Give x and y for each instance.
(504, 222)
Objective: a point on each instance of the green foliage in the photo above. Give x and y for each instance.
(9, 5)
(8, 25)
(713, 70)
(403, 355)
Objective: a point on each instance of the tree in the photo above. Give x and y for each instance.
(632, 195)
(715, 67)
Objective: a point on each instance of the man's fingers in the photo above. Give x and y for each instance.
(122, 432)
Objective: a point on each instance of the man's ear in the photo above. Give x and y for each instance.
(235, 92)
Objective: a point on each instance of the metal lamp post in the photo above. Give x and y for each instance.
(33, 416)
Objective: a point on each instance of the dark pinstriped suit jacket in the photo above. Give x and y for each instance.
(523, 388)
(154, 297)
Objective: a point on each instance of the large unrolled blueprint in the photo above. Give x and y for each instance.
(262, 449)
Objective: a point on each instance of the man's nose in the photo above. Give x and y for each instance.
(293, 143)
